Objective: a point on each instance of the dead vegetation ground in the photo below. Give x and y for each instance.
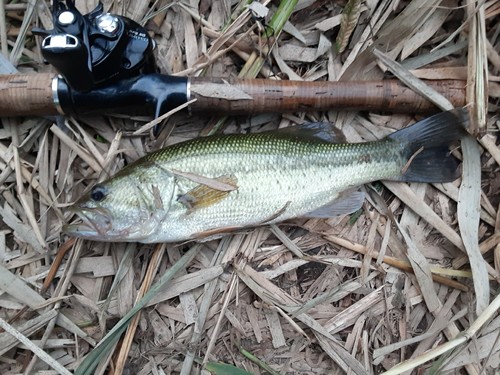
(305, 297)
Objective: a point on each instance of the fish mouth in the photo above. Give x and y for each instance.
(96, 224)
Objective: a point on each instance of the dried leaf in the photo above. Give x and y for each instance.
(230, 92)
(422, 272)
(468, 210)
(104, 347)
(413, 82)
(428, 29)
(350, 17)
(329, 23)
(17, 288)
(34, 348)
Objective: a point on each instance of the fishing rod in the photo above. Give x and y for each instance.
(105, 64)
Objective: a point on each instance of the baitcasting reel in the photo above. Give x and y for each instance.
(97, 48)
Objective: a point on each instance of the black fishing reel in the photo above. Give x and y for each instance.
(95, 49)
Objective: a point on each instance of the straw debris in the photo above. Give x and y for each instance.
(409, 284)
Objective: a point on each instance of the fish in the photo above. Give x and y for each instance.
(207, 187)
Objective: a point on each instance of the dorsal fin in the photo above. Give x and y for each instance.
(316, 131)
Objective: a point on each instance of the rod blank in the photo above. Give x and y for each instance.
(293, 96)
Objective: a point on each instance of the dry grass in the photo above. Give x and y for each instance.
(414, 276)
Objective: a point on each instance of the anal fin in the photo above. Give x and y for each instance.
(346, 203)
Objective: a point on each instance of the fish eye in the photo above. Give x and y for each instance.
(98, 193)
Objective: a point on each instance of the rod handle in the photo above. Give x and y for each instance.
(27, 95)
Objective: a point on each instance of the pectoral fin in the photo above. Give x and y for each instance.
(345, 203)
(205, 195)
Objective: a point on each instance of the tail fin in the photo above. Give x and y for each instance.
(427, 146)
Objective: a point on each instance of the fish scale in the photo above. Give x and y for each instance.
(180, 192)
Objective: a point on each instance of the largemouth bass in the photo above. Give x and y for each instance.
(209, 186)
